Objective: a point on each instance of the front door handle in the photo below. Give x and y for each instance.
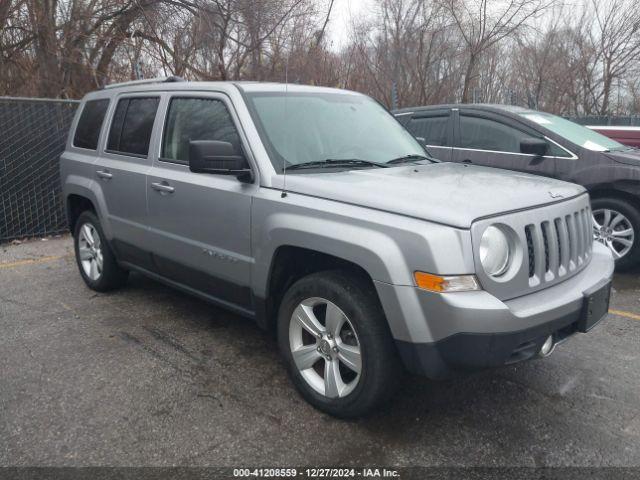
(466, 160)
(105, 174)
(163, 187)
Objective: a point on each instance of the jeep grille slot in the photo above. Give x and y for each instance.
(545, 239)
(531, 251)
(559, 246)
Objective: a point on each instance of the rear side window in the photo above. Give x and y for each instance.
(432, 129)
(196, 119)
(484, 134)
(90, 124)
(132, 126)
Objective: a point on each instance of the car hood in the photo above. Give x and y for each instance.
(448, 193)
(630, 157)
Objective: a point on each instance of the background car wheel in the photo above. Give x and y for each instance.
(616, 224)
(97, 263)
(335, 340)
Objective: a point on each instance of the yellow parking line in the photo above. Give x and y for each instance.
(31, 261)
(622, 313)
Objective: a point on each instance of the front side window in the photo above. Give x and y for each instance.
(313, 127)
(196, 119)
(577, 134)
(484, 134)
(132, 126)
(433, 129)
(90, 124)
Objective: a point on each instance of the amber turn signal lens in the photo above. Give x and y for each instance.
(429, 281)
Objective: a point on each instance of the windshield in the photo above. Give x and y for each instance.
(313, 127)
(573, 132)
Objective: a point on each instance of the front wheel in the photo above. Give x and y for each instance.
(616, 224)
(336, 343)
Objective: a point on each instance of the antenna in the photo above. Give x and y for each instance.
(286, 94)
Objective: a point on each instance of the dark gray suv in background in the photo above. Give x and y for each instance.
(536, 142)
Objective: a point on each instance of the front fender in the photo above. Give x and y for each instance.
(388, 247)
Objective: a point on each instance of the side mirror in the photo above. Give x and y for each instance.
(534, 146)
(213, 156)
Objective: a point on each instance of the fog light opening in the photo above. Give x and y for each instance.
(547, 347)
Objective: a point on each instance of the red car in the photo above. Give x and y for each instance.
(626, 135)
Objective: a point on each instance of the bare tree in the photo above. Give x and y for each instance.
(409, 47)
(482, 24)
(617, 41)
(579, 59)
(69, 47)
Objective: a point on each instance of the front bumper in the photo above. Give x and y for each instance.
(441, 335)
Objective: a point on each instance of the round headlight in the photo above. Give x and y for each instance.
(494, 251)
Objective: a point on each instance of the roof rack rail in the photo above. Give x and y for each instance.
(145, 81)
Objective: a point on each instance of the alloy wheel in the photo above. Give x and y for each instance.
(614, 230)
(90, 251)
(325, 347)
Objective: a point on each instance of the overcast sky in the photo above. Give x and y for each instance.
(341, 15)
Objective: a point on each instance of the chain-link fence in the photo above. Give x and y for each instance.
(32, 138)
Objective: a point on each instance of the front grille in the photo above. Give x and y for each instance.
(559, 246)
(554, 243)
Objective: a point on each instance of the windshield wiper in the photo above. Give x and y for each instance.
(411, 158)
(336, 163)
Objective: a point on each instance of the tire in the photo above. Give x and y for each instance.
(627, 217)
(103, 273)
(365, 329)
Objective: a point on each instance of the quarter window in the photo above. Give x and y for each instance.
(196, 119)
(132, 126)
(484, 134)
(432, 129)
(556, 151)
(90, 124)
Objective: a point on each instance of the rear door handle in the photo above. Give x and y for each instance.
(162, 187)
(104, 174)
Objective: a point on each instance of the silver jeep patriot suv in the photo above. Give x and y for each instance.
(313, 211)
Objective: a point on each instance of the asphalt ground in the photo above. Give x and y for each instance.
(151, 376)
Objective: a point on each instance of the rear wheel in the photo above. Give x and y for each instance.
(338, 348)
(96, 261)
(616, 224)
